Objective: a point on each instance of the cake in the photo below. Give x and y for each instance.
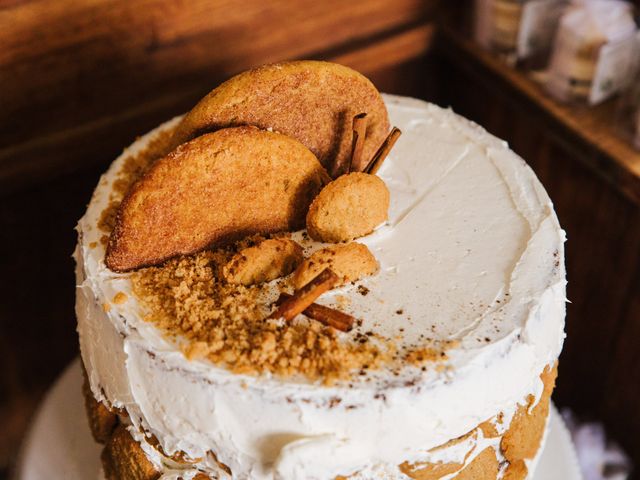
(406, 325)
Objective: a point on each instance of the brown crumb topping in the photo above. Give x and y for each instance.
(228, 324)
(188, 298)
(107, 220)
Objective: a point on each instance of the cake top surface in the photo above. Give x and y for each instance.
(470, 245)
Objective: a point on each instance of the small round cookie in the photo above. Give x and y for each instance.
(268, 260)
(312, 101)
(349, 207)
(217, 188)
(349, 262)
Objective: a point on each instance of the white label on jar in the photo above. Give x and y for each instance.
(614, 68)
(538, 26)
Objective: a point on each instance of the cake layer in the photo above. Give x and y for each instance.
(471, 258)
(505, 446)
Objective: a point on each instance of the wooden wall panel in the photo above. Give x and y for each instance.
(74, 73)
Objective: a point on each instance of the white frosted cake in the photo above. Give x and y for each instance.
(446, 372)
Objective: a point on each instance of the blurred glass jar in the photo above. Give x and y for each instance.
(506, 18)
(518, 30)
(593, 51)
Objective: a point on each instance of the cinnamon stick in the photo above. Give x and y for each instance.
(325, 315)
(359, 132)
(379, 157)
(305, 296)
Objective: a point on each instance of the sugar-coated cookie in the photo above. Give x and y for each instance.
(217, 188)
(312, 101)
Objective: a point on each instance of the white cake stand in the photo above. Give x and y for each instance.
(59, 445)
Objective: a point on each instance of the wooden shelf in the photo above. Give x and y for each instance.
(587, 131)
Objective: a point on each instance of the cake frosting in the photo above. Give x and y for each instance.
(471, 257)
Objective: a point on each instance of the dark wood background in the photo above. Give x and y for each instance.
(80, 80)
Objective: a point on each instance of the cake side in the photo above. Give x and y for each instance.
(132, 365)
(503, 447)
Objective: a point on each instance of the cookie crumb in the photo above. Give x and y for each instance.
(362, 290)
(228, 324)
(120, 298)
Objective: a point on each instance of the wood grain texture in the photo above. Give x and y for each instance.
(591, 181)
(80, 77)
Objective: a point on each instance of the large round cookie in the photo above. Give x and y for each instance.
(312, 101)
